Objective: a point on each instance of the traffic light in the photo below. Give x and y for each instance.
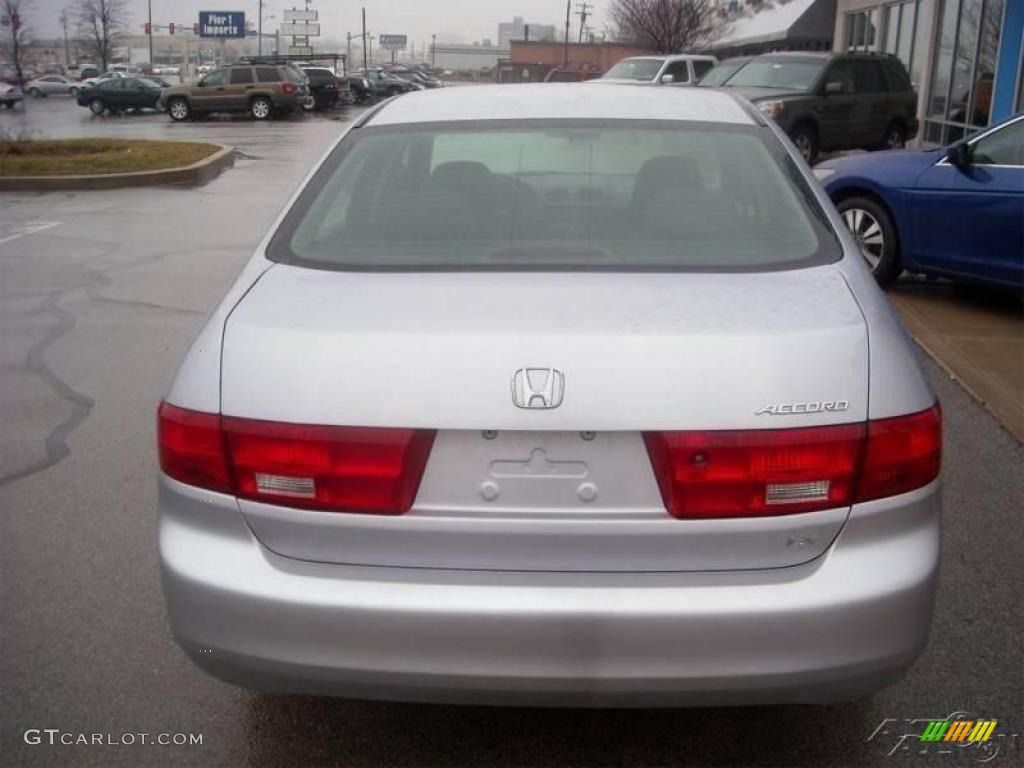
(148, 27)
(170, 28)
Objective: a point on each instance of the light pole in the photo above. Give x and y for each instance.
(149, 11)
(259, 31)
(365, 65)
(67, 50)
(433, 51)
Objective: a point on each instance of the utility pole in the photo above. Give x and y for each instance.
(348, 46)
(568, 13)
(365, 63)
(433, 53)
(582, 13)
(67, 49)
(149, 14)
(259, 31)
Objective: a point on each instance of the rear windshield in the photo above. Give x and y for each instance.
(773, 73)
(636, 69)
(628, 195)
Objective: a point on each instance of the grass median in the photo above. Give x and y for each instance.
(71, 157)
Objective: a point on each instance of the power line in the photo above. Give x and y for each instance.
(583, 12)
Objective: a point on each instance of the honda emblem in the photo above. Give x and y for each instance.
(538, 388)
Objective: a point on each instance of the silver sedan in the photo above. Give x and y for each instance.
(553, 394)
(50, 85)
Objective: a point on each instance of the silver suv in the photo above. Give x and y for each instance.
(614, 413)
(681, 69)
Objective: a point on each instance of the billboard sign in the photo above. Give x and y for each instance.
(300, 29)
(296, 15)
(393, 42)
(222, 24)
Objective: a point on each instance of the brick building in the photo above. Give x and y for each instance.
(531, 61)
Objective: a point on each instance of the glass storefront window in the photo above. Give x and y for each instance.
(960, 99)
(917, 57)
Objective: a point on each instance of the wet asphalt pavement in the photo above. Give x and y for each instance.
(100, 292)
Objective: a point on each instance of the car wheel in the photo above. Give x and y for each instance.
(96, 106)
(895, 137)
(393, 92)
(179, 110)
(309, 104)
(35, 93)
(805, 139)
(873, 229)
(260, 108)
(73, 93)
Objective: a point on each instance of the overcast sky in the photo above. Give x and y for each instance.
(450, 20)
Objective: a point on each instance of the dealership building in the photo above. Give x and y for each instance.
(964, 56)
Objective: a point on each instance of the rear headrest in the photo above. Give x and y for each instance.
(459, 172)
(667, 173)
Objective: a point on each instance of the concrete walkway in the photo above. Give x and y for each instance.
(976, 335)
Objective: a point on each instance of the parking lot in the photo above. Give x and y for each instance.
(100, 292)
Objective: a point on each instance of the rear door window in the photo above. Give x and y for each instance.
(241, 75)
(267, 75)
(701, 68)
(867, 77)
(557, 195)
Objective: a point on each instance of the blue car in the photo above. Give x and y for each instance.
(956, 212)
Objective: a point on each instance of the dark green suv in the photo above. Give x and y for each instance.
(832, 100)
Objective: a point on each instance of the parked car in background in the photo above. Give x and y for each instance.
(111, 75)
(384, 85)
(87, 71)
(262, 90)
(326, 88)
(416, 76)
(627, 423)
(832, 100)
(571, 74)
(956, 212)
(722, 71)
(10, 95)
(50, 85)
(682, 69)
(117, 94)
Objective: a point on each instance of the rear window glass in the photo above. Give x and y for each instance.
(556, 195)
(241, 75)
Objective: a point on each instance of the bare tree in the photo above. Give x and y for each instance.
(16, 34)
(664, 26)
(100, 23)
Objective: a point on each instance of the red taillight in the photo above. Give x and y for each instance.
(355, 469)
(756, 473)
(288, 87)
(192, 447)
(902, 454)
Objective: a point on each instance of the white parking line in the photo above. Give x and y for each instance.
(29, 229)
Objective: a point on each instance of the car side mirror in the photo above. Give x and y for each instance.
(959, 155)
(666, 79)
(834, 88)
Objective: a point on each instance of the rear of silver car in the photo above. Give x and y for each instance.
(543, 460)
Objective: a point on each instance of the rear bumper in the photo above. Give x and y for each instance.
(841, 626)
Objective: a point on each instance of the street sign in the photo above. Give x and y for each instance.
(294, 15)
(393, 42)
(300, 50)
(301, 29)
(222, 24)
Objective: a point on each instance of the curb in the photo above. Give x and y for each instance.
(194, 175)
